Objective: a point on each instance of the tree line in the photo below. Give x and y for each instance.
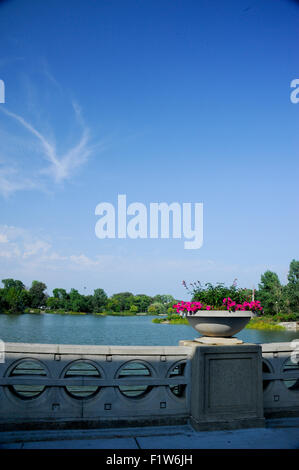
(16, 298)
(275, 297)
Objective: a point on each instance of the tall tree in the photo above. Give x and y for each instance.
(164, 299)
(62, 299)
(77, 301)
(123, 299)
(3, 303)
(293, 286)
(270, 293)
(14, 296)
(99, 300)
(38, 297)
(141, 302)
(8, 283)
(157, 308)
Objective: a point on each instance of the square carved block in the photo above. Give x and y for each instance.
(227, 387)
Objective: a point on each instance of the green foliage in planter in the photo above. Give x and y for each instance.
(210, 294)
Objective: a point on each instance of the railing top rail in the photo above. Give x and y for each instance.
(277, 347)
(92, 349)
(97, 349)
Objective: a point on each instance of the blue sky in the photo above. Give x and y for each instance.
(161, 100)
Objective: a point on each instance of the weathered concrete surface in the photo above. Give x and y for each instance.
(219, 323)
(226, 384)
(281, 390)
(277, 434)
(56, 407)
(212, 340)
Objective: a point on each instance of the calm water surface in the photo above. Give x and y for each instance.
(90, 329)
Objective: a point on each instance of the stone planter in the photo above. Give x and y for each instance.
(219, 323)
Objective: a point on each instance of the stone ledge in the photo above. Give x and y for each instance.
(243, 423)
(218, 341)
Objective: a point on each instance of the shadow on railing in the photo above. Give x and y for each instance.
(105, 384)
(120, 385)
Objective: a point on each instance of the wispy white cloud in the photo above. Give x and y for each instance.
(27, 249)
(3, 238)
(84, 261)
(61, 166)
(11, 181)
(48, 74)
(34, 155)
(37, 247)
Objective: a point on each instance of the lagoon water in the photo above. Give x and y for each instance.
(110, 330)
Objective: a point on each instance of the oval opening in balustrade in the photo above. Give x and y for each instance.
(133, 370)
(266, 369)
(178, 371)
(290, 366)
(82, 370)
(28, 369)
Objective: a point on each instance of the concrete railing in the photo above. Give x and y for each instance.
(106, 385)
(47, 385)
(280, 379)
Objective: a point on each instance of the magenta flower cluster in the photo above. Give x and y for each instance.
(231, 305)
(190, 307)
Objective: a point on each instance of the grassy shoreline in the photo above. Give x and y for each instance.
(36, 311)
(259, 323)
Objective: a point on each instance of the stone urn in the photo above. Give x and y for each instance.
(219, 323)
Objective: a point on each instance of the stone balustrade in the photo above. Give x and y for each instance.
(110, 385)
(280, 379)
(58, 386)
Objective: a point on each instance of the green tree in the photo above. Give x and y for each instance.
(89, 303)
(77, 301)
(141, 302)
(8, 283)
(15, 298)
(157, 308)
(99, 300)
(3, 302)
(292, 289)
(133, 309)
(114, 305)
(59, 293)
(270, 293)
(38, 297)
(53, 303)
(167, 300)
(124, 300)
(63, 298)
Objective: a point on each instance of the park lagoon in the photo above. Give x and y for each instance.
(112, 330)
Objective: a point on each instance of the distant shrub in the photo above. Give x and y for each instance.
(156, 308)
(32, 310)
(125, 313)
(133, 309)
(286, 317)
